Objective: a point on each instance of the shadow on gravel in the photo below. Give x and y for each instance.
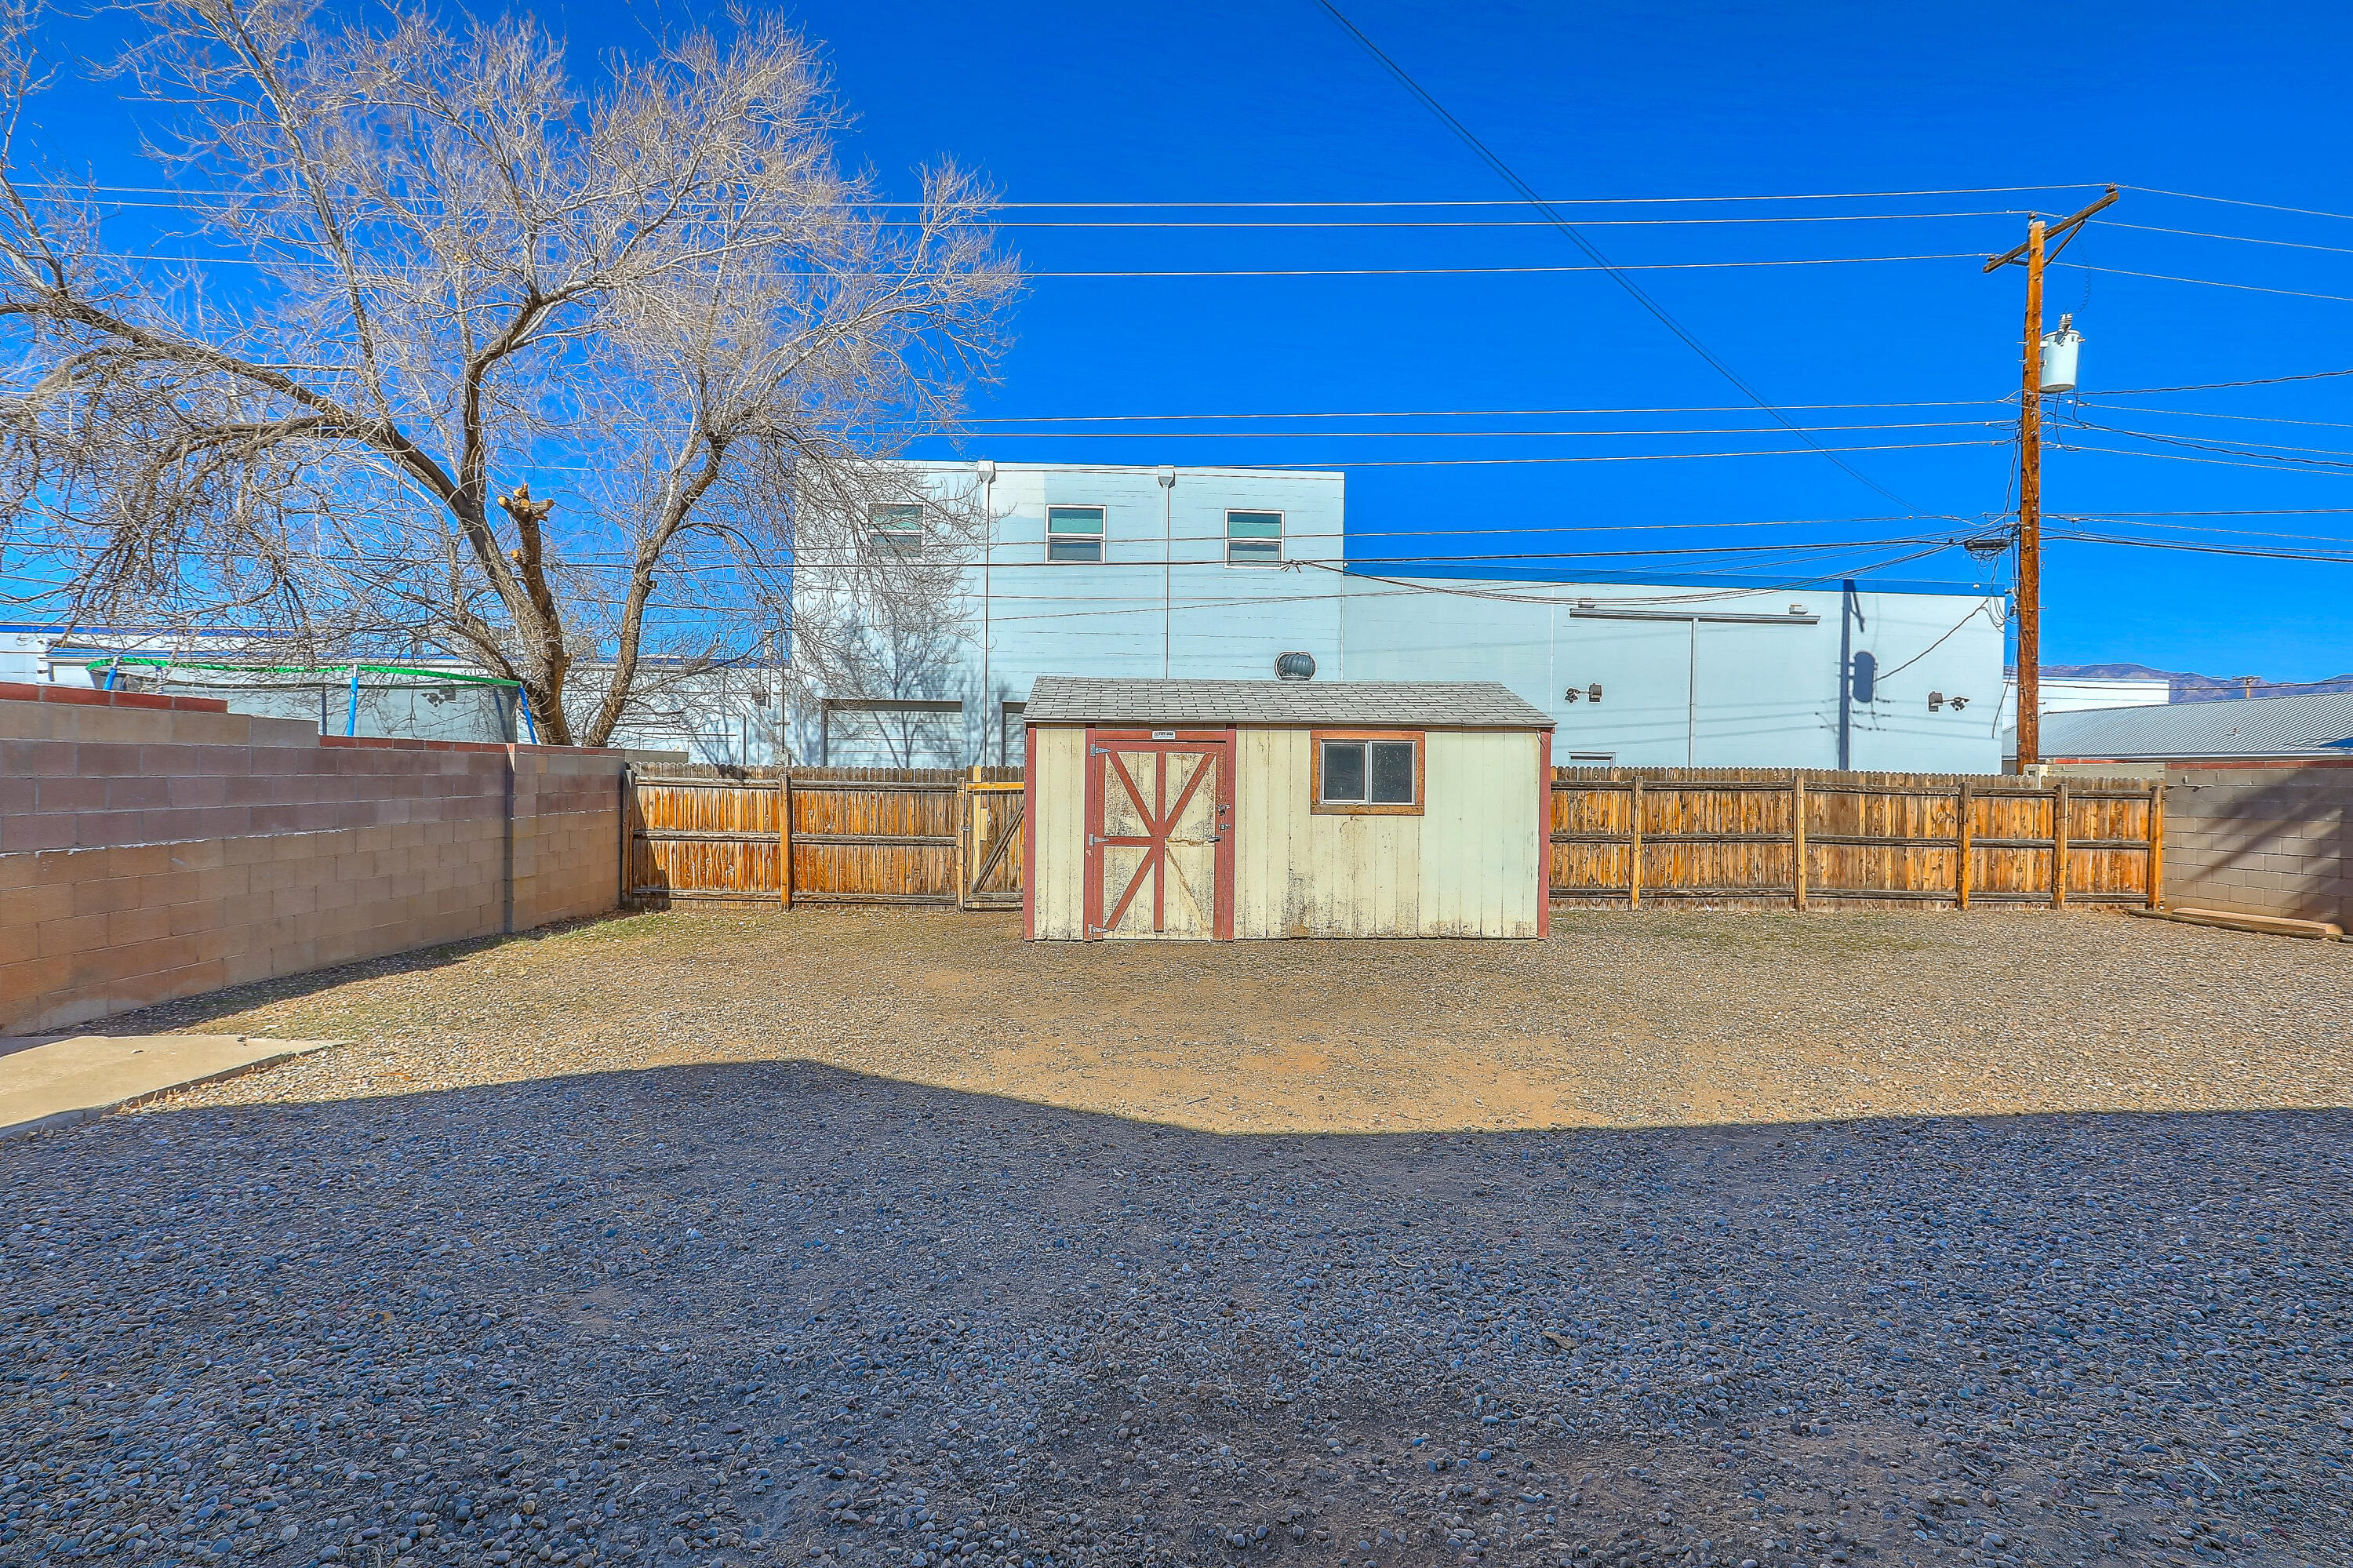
(774, 1312)
(190, 1014)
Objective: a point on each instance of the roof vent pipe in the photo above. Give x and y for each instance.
(1294, 667)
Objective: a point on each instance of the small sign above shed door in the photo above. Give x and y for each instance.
(1158, 811)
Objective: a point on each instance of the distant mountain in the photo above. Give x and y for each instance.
(2193, 688)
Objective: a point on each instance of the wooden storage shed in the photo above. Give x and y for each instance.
(1257, 809)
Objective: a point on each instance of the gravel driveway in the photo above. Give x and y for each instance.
(851, 1260)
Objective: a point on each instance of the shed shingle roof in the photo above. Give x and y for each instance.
(2261, 727)
(1403, 704)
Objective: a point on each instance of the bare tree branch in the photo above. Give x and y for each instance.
(463, 273)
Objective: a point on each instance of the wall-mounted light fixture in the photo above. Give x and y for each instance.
(1591, 694)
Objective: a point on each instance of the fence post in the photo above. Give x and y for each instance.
(1961, 849)
(629, 838)
(964, 809)
(2156, 845)
(1635, 856)
(1798, 831)
(2059, 847)
(785, 837)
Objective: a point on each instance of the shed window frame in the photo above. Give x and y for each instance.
(1253, 543)
(1319, 806)
(1097, 538)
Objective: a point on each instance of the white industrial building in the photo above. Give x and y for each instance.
(1216, 573)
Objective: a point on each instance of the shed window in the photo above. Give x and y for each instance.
(898, 524)
(1369, 772)
(1253, 538)
(1074, 533)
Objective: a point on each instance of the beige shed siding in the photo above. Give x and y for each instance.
(1059, 757)
(1300, 874)
(1467, 866)
(1478, 871)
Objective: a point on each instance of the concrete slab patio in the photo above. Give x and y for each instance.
(60, 1081)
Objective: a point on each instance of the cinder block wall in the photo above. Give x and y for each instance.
(2262, 838)
(159, 847)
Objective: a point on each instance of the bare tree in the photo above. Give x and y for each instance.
(454, 277)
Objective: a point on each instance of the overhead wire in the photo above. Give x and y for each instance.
(1152, 274)
(1472, 413)
(2241, 239)
(1003, 435)
(1528, 192)
(2206, 283)
(2251, 449)
(2224, 385)
(1330, 204)
(2234, 201)
(2210, 414)
(1344, 223)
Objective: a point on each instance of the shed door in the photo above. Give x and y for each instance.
(1159, 811)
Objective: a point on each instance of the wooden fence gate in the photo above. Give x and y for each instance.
(831, 835)
(1788, 836)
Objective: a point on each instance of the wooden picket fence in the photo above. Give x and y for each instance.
(1747, 835)
(830, 835)
(953, 837)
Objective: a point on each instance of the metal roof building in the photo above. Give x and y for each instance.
(2318, 726)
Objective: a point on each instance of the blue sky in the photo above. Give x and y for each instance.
(1270, 103)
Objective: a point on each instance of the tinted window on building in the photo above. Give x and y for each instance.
(1253, 538)
(1074, 533)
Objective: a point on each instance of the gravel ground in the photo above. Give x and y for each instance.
(765, 1239)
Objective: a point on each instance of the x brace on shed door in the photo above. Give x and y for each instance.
(1159, 826)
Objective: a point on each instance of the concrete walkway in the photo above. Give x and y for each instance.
(57, 1082)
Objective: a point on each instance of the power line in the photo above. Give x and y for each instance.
(2204, 282)
(1472, 435)
(2241, 239)
(1350, 223)
(2234, 201)
(1810, 449)
(1475, 413)
(2222, 385)
(2251, 448)
(1529, 194)
(2076, 446)
(2192, 548)
(1145, 273)
(1319, 204)
(2210, 414)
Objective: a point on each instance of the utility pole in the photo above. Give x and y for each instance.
(2041, 244)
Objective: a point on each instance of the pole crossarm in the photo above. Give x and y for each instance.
(2062, 231)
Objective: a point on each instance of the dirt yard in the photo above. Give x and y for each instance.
(879, 1237)
(1622, 1019)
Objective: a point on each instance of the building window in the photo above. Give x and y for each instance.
(897, 524)
(1253, 538)
(1367, 772)
(1074, 533)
